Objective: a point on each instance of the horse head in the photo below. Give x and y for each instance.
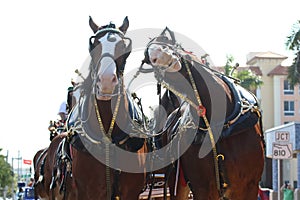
(104, 103)
(109, 49)
(160, 52)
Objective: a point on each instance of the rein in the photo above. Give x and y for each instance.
(201, 110)
(107, 140)
(108, 134)
(113, 120)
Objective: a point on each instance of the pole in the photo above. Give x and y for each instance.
(12, 185)
(18, 165)
(279, 175)
(18, 170)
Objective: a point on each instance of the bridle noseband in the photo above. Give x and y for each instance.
(163, 40)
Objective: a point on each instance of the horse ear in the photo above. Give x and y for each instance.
(93, 25)
(125, 25)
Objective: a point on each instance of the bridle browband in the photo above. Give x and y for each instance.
(108, 28)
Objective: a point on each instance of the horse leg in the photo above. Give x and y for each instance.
(205, 193)
(71, 190)
(252, 192)
(200, 173)
(244, 163)
(130, 190)
(182, 191)
(247, 191)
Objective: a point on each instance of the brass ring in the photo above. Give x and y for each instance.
(220, 155)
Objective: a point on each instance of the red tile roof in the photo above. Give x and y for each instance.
(279, 70)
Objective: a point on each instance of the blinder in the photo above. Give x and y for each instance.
(103, 29)
(111, 29)
(125, 55)
(161, 39)
(91, 43)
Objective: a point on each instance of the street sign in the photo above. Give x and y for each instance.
(282, 136)
(27, 162)
(282, 151)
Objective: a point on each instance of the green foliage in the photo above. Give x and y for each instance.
(6, 175)
(293, 40)
(248, 80)
(293, 74)
(293, 44)
(228, 66)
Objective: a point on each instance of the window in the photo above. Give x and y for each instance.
(289, 108)
(287, 89)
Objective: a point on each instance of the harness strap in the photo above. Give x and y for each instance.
(259, 129)
(152, 177)
(107, 172)
(167, 176)
(42, 167)
(115, 187)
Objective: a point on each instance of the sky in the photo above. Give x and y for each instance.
(43, 42)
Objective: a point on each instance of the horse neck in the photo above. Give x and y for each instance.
(107, 108)
(203, 79)
(214, 87)
(169, 102)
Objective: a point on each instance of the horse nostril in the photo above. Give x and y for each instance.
(154, 60)
(114, 79)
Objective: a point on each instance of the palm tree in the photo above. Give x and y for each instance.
(293, 43)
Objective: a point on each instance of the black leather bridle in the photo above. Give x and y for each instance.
(111, 30)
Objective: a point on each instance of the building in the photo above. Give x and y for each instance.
(280, 104)
(271, 92)
(279, 101)
(284, 144)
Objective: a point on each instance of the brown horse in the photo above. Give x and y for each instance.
(46, 170)
(219, 134)
(41, 163)
(39, 170)
(107, 153)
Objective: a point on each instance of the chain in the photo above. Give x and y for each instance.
(211, 136)
(202, 113)
(107, 172)
(108, 134)
(180, 95)
(113, 120)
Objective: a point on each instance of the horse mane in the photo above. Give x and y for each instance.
(217, 76)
